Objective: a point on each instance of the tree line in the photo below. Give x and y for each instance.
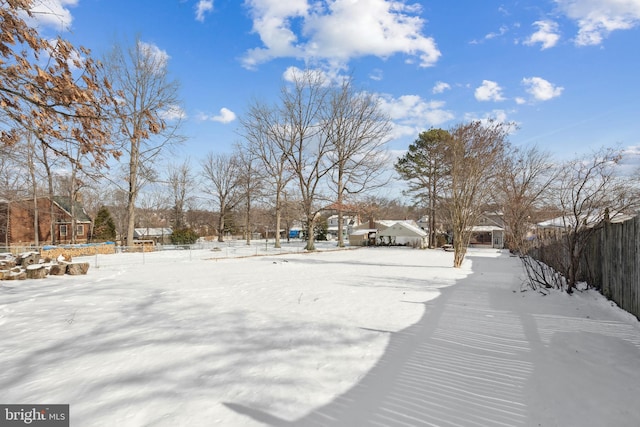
(465, 171)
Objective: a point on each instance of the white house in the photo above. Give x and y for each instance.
(349, 222)
(403, 233)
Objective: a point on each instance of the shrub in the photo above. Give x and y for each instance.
(184, 236)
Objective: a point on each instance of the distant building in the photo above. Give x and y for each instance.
(159, 235)
(17, 221)
(348, 224)
(489, 231)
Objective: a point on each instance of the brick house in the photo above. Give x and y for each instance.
(17, 221)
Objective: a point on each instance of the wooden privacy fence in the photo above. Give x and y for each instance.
(620, 264)
(611, 262)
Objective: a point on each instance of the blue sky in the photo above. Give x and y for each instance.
(565, 70)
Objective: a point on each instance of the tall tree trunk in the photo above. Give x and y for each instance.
(72, 197)
(278, 215)
(432, 213)
(459, 248)
(339, 203)
(311, 233)
(248, 219)
(36, 220)
(340, 227)
(34, 189)
(52, 219)
(133, 191)
(221, 222)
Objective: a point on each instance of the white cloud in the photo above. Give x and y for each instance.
(630, 163)
(501, 32)
(519, 100)
(440, 87)
(174, 112)
(411, 114)
(225, 116)
(500, 116)
(53, 13)
(540, 89)
(160, 57)
(493, 35)
(596, 19)
(489, 91)
(376, 75)
(547, 34)
(338, 31)
(202, 8)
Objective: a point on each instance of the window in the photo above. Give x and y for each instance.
(63, 230)
(80, 230)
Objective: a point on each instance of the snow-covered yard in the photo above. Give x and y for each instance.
(367, 337)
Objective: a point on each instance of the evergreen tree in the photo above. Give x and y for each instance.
(184, 236)
(104, 228)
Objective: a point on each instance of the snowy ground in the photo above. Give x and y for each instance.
(367, 337)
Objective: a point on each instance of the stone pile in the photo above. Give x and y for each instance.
(30, 265)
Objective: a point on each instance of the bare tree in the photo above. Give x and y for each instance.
(525, 176)
(92, 201)
(30, 160)
(304, 142)
(425, 169)
(250, 185)
(116, 200)
(265, 140)
(590, 192)
(152, 206)
(145, 97)
(181, 182)
(10, 188)
(471, 155)
(220, 173)
(357, 130)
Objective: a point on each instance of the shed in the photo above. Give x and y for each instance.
(160, 235)
(403, 233)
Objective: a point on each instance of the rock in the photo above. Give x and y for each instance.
(8, 263)
(37, 271)
(77, 268)
(57, 269)
(29, 258)
(21, 275)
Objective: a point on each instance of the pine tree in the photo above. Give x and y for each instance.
(104, 227)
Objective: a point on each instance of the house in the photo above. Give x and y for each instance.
(403, 233)
(489, 231)
(389, 232)
(348, 223)
(17, 219)
(159, 235)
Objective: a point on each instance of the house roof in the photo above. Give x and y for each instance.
(65, 204)
(486, 228)
(404, 229)
(152, 232)
(363, 231)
